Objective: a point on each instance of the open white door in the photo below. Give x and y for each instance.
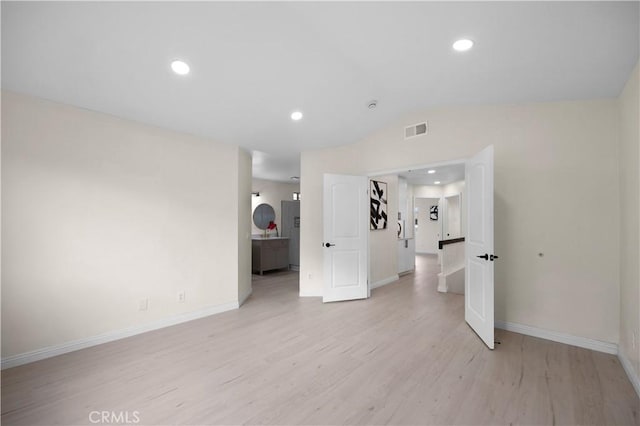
(345, 237)
(478, 284)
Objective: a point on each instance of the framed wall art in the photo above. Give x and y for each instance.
(378, 194)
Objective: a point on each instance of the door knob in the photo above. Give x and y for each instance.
(492, 257)
(327, 245)
(485, 256)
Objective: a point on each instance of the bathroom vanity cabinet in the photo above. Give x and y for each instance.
(269, 253)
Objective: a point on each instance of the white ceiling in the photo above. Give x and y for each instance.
(254, 63)
(443, 174)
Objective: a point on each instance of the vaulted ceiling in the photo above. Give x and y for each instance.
(252, 64)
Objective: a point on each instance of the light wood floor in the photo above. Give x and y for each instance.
(404, 356)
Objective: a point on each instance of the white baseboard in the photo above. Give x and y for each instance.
(385, 281)
(425, 252)
(581, 342)
(312, 293)
(631, 373)
(244, 297)
(63, 348)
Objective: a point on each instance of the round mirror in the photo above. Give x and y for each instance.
(263, 215)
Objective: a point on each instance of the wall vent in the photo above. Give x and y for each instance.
(415, 130)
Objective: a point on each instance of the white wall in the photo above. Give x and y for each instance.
(427, 191)
(271, 192)
(383, 243)
(405, 206)
(453, 188)
(99, 213)
(427, 233)
(629, 221)
(563, 155)
(244, 225)
(458, 188)
(410, 230)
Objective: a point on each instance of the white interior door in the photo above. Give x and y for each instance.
(345, 237)
(478, 284)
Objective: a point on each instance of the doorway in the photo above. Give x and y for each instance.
(291, 229)
(427, 225)
(275, 235)
(478, 248)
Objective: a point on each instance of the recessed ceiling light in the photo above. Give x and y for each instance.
(296, 115)
(180, 67)
(437, 182)
(463, 45)
(431, 172)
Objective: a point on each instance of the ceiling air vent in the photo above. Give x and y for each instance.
(415, 130)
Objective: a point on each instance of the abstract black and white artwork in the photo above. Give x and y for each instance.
(433, 213)
(378, 195)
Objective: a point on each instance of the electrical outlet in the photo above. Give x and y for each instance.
(181, 296)
(143, 304)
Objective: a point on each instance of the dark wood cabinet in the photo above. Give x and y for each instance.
(269, 253)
